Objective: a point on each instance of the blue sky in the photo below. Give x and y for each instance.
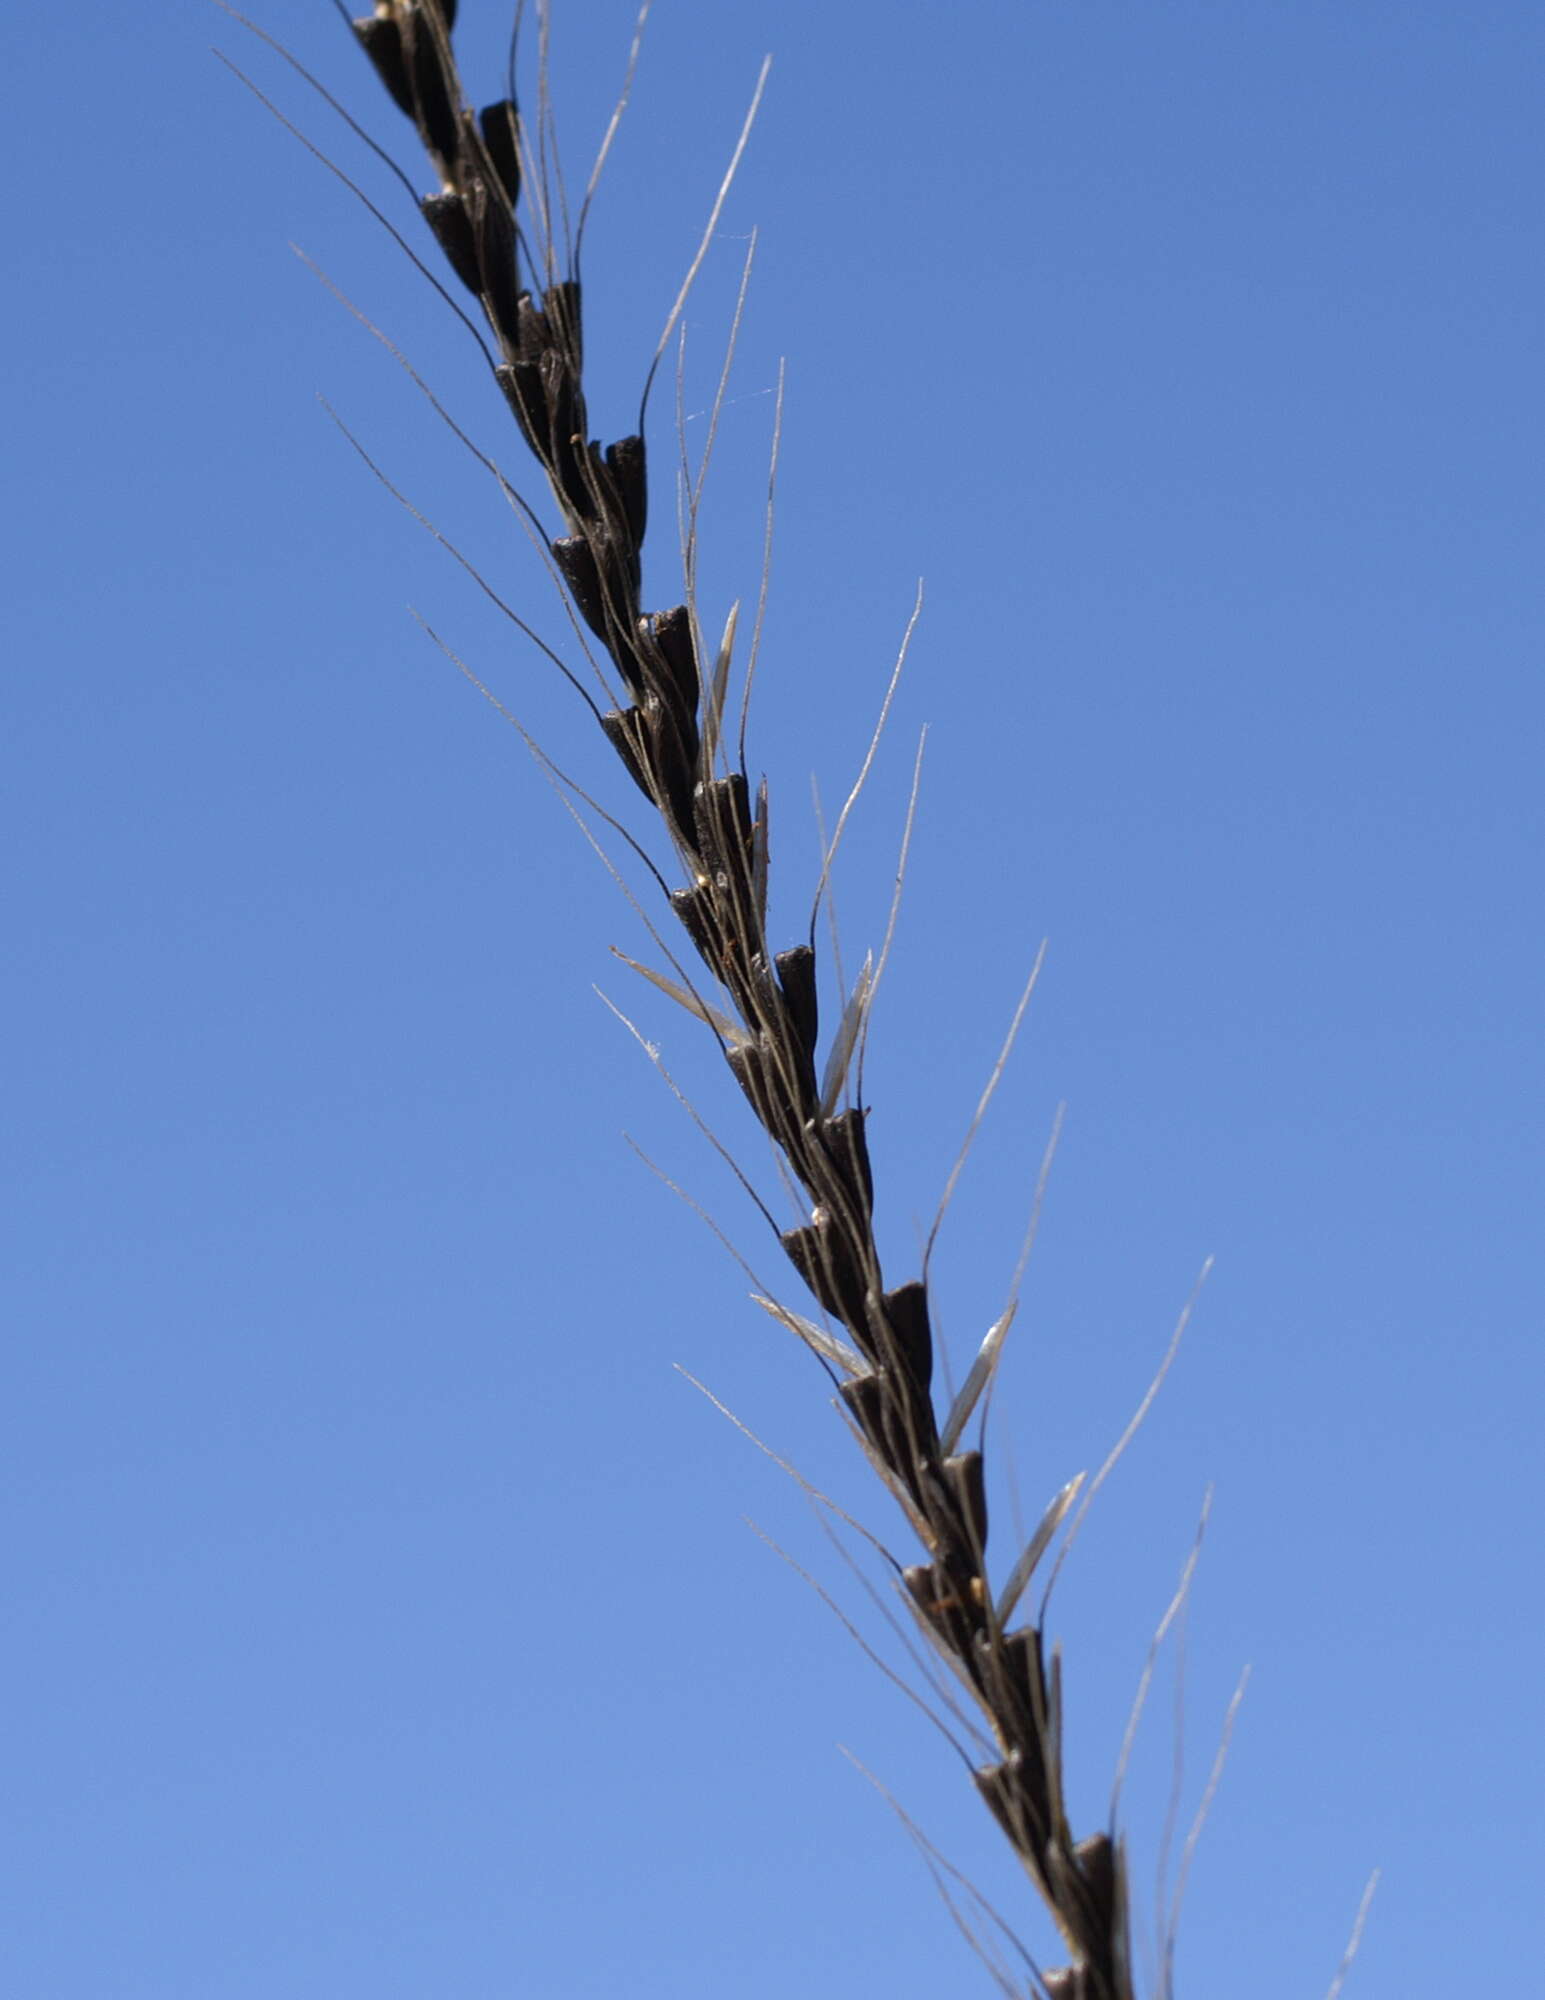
(383, 1618)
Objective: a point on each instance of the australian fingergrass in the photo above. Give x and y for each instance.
(672, 716)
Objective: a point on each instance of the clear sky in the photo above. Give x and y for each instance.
(382, 1619)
